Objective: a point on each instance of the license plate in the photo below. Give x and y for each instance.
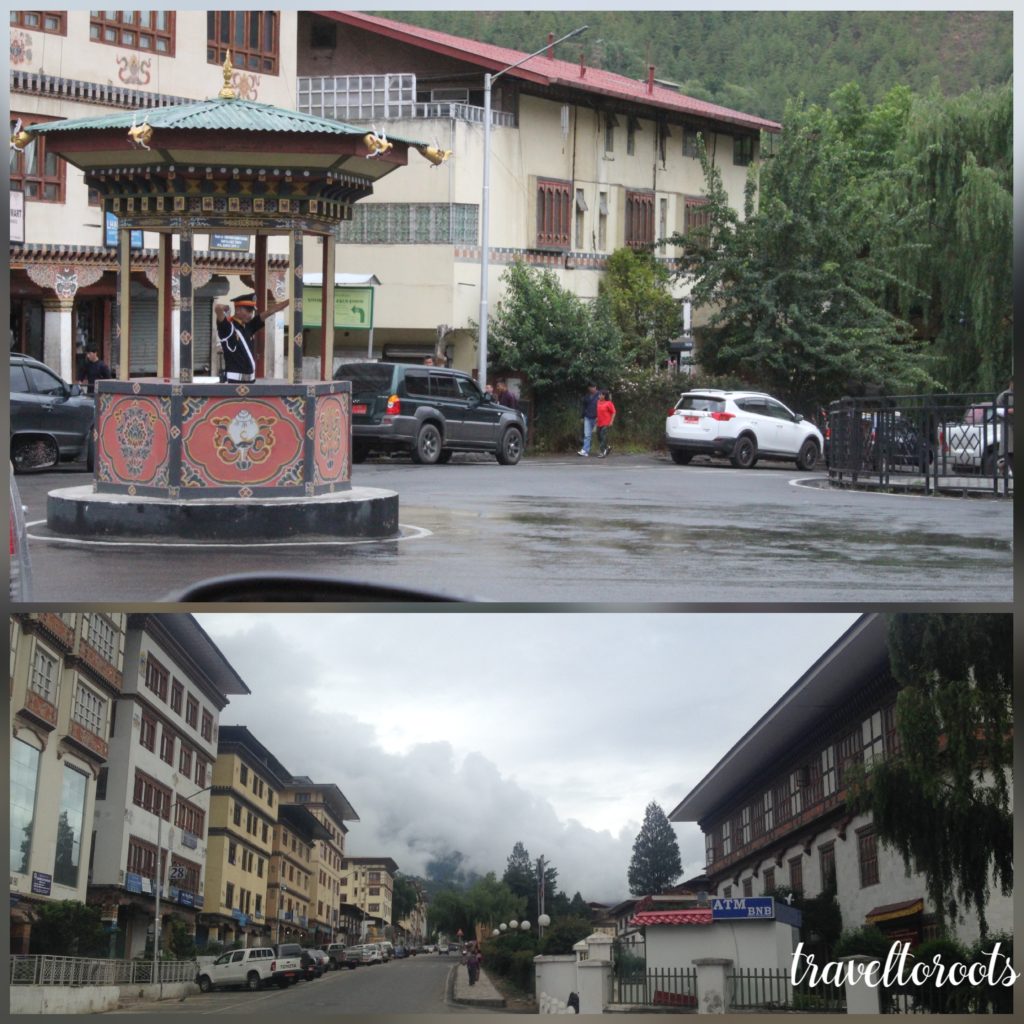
(690, 419)
(358, 408)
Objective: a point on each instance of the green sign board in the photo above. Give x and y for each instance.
(353, 308)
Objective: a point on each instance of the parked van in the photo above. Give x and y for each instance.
(387, 951)
(251, 967)
(335, 954)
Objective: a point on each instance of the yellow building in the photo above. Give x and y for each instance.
(368, 883)
(247, 783)
(290, 885)
(330, 807)
(66, 674)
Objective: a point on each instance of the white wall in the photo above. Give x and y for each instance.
(746, 943)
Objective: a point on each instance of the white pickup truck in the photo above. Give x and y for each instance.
(251, 968)
(977, 442)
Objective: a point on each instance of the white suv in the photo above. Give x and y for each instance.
(743, 425)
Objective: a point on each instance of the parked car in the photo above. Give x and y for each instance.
(288, 967)
(250, 968)
(51, 420)
(335, 953)
(312, 968)
(977, 441)
(387, 951)
(362, 956)
(428, 411)
(401, 952)
(742, 425)
(21, 563)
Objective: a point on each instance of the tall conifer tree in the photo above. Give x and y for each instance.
(656, 863)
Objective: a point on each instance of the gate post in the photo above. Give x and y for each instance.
(712, 987)
(860, 996)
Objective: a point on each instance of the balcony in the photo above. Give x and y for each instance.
(39, 710)
(91, 658)
(381, 98)
(55, 629)
(87, 740)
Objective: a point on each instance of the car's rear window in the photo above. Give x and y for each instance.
(706, 403)
(366, 376)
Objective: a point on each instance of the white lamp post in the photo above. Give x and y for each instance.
(160, 874)
(485, 202)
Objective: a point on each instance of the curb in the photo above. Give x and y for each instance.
(497, 1001)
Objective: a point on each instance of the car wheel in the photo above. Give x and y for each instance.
(204, 983)
(445, 456)
(252, 980)
(428, 445)
(28, 453)
(359, 452)
(807, 457)
(744, 452)
(510, 448)
(680, 458)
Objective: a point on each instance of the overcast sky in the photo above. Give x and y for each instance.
(474, 731)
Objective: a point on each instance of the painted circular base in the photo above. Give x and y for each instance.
(357, 512)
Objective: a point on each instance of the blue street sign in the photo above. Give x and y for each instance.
(743, 908)
(110, 233)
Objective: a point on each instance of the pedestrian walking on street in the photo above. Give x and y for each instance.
(504, 396)
(605, 418)
(588, 407)
(95, 369)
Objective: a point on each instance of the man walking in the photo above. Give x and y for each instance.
(605, 418)
(589, 410)
(94, 369)
(236, 335)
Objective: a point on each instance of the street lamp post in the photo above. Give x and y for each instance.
(485, 201)
(160, 874)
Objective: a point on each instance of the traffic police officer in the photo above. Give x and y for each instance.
(236, 334)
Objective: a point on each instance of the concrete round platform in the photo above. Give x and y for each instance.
(357, 512)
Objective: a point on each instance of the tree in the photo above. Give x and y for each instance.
(489, 902)
(519, 874)
(943, 799)
(656, 862)
(549, 334)
(795, 290)
(68, 928)
(636, 287)
(579, 908)
(404, 898)
(448, 913)
(181, 944)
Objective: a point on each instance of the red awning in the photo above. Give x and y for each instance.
(892, 911)
(672, 917)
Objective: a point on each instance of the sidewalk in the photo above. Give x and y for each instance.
(483, 993)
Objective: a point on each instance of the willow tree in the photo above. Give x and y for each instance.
(943, 800)
(958, 158)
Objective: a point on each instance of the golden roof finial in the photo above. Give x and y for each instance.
(226, 91)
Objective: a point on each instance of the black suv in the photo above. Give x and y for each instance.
(430, 412)
(51, 421)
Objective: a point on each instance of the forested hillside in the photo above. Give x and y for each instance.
(756, 60)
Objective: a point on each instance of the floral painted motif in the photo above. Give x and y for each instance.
(134, 429)
(246, 86)
(134, 70)
(21, 48)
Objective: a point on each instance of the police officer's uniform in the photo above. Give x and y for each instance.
(236, 342)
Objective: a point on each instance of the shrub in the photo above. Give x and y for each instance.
(867, 941)
(564, 934)
(68, 928)
(993, 997)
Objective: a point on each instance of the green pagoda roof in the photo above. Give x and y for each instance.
(213, 115)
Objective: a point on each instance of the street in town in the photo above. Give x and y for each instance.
(414, 985)
(631, 528)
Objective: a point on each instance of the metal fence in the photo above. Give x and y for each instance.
(933, 443)
(75, 970)
(657, 986)
(767, 988)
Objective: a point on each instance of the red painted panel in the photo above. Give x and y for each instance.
(331, 439)
(229, 441)
(134, 437)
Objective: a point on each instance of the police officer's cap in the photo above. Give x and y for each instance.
(246, 300)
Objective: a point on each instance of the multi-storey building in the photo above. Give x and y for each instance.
(774, 812)
(78, 63)
(368, 883)
(244, 802)
(290, 885)
(67, 671)
(582, 162)
(152, 801)
(330, 807)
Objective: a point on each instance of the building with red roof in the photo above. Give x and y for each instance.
(583, 162)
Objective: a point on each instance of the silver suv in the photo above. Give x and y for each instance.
(430, 412)
(742, 425)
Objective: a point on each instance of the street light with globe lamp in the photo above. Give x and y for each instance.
(160, 872)
(485, 201)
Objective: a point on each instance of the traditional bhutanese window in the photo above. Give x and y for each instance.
(40, 175)
(554, 218)
(250, 36)
(639, 219)
(149, 31)
(53, 22)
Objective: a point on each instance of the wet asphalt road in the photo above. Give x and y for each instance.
(628, 529)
